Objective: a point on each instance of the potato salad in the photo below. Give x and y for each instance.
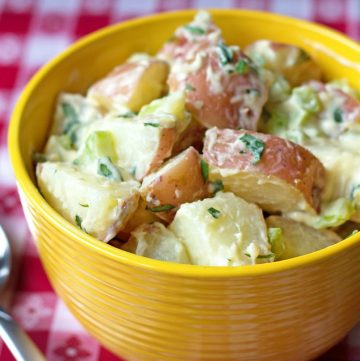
(208, 154)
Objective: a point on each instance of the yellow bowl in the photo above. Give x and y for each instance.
(144, 309)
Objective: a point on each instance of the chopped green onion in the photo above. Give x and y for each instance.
(226, 56)
(164, 208)
(72, 122)
(247, 254)
(195, 30)
(255, 145)
(155, 125)
(214, 212)
(338, 116)
(85, 205)
(204, 170)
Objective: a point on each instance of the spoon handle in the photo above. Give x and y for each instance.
(18, 342)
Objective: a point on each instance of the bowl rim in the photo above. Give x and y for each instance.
(29, 189)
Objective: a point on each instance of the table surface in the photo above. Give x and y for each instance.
(31, 33)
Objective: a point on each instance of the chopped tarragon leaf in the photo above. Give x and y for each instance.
(39, 158)
(353, 190)
(85, 205)
(108, 170)
(255, 145)
(270, 255)
(338, 115)
(214, 212)
(127, 115)
(78, 221)
(133, 171)
(189, 87)
(195, 30)
(225, 52)
(247, 254)
(163, 208)
(72, 122)
(216, 186)
(242, 66)
(204, 170)
(155, 125)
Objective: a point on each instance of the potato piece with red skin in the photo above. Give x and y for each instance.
(178, 181)
(193, 135)
(288, 60)
(191, 38)
(272, 172)
(131, 85)
(228, 95)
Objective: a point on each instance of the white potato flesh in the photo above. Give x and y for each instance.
(140, 146)
(300, 239)
(222, 231)
(157, 242)
(98, 206)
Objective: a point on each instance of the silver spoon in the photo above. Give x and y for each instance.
(18, 342)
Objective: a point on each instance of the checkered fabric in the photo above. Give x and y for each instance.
(31, 33)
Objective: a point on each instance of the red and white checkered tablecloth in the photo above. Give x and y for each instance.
(31, 33)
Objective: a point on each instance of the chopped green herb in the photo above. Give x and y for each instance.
(204, 170)
(85, 205)
(107, 169)
(338, 116)
(354, 190)
(164, 208)
(155, 125)
(72, 122)
(127, 115)
(69, 112)
(225, 52)
(255, 145)
(78, 221)
(195, 30)
(39, 158)
(189, 87)
(242, 66)
(252, 91)
(247, 254)
(270, 255)
(133, 171)
(214, 212)
(216, 186)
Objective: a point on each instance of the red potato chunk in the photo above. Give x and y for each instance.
(191, 38)
(272, 172)
(223, 88)
(288, 60)
(131, 85)
(178, 181)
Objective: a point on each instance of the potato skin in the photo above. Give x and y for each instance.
(288, 60)
(281, 159)
(218, 95)
(177, 182)
(184, 45)
(116, 89)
